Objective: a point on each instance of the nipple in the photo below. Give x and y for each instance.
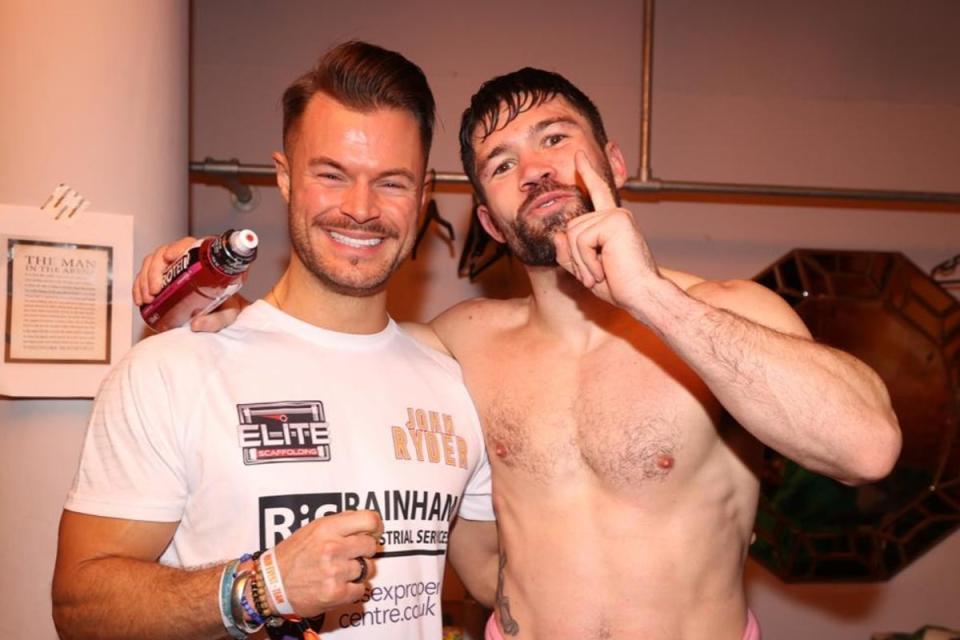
(500, 449)
(665, 462)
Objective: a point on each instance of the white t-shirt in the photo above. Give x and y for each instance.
(245, 435)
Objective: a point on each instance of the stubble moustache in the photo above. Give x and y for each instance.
(532, 239)
(343, 280)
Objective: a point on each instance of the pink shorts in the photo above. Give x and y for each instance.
(752, 631)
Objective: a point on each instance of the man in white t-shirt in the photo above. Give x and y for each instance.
(314, 430)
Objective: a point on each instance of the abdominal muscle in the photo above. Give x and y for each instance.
(664, 561)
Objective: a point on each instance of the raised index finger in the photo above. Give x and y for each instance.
(597, 187)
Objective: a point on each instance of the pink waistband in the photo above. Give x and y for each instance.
(752, 632)
(492, 631)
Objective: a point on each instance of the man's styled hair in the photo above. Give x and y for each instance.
(517, 92)
(363, 77)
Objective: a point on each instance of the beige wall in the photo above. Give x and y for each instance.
(94, 94)
(851, 94)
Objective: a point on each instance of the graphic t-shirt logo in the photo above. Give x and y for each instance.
(283, 432)
(430, 437)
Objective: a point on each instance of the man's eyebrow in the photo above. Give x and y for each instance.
(549, 122)
(534, 129)
(397, 173)
(324, 160)
(330, 162)
(484, 161)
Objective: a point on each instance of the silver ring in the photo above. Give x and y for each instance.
(363, 571)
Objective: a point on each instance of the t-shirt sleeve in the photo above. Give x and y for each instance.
(131, 465)
(477, 503)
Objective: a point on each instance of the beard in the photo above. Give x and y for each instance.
(530, 237)
(347, 278)
(531, 240)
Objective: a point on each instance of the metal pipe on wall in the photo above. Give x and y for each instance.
(233, 172)
(646, 82)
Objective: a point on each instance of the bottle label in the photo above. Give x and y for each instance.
(180, 279)
(176, 269)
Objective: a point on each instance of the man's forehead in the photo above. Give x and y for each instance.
(326, 110)
(328, 123)
(524, 114)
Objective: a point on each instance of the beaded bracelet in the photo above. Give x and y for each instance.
(259, 594)
(250, 611)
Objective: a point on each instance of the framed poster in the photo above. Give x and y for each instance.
(67, 310)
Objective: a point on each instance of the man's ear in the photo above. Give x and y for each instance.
(488, 224)
(283, 174)
(617, 164)
(426, 190)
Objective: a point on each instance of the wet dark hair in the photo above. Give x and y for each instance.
(363, 77)
(518, 91)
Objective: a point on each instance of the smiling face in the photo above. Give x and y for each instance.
(527, 174)
(353, 182)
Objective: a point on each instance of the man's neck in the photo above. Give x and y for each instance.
(562, 305)
(308, 299)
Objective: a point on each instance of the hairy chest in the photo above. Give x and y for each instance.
(621, 414)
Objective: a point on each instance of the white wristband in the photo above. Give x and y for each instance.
(272, 580)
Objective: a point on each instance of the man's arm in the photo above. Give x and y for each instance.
(107, 583)
(817, 405)
(473, 553)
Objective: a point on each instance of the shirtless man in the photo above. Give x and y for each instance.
(625, 500)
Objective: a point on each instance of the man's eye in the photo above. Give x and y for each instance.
(553, 139)
(500, 168)
(330, 176)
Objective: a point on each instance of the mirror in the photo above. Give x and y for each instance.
(884, 310)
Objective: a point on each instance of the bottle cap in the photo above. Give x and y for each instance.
(244, 242)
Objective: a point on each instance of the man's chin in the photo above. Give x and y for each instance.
(357, 287)
(357, 290)
(536, 255)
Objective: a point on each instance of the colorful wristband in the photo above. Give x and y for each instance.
(226, 607)
(273, 581)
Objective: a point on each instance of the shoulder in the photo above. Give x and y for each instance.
(168, 355)
(169, 346)
(752, 301)
(424, 349)
(425, 335)
(478, 316)
(489, 311)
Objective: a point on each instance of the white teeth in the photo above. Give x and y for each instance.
(355, 242)
(547, 203)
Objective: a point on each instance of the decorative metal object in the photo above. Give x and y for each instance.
(884, 310)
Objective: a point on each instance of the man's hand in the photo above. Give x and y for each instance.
(320, 561)
(149, 281)
(605, 249)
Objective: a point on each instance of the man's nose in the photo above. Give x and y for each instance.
(535, 169)
(358, 203)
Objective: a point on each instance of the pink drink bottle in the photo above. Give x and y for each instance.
(202, 278)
